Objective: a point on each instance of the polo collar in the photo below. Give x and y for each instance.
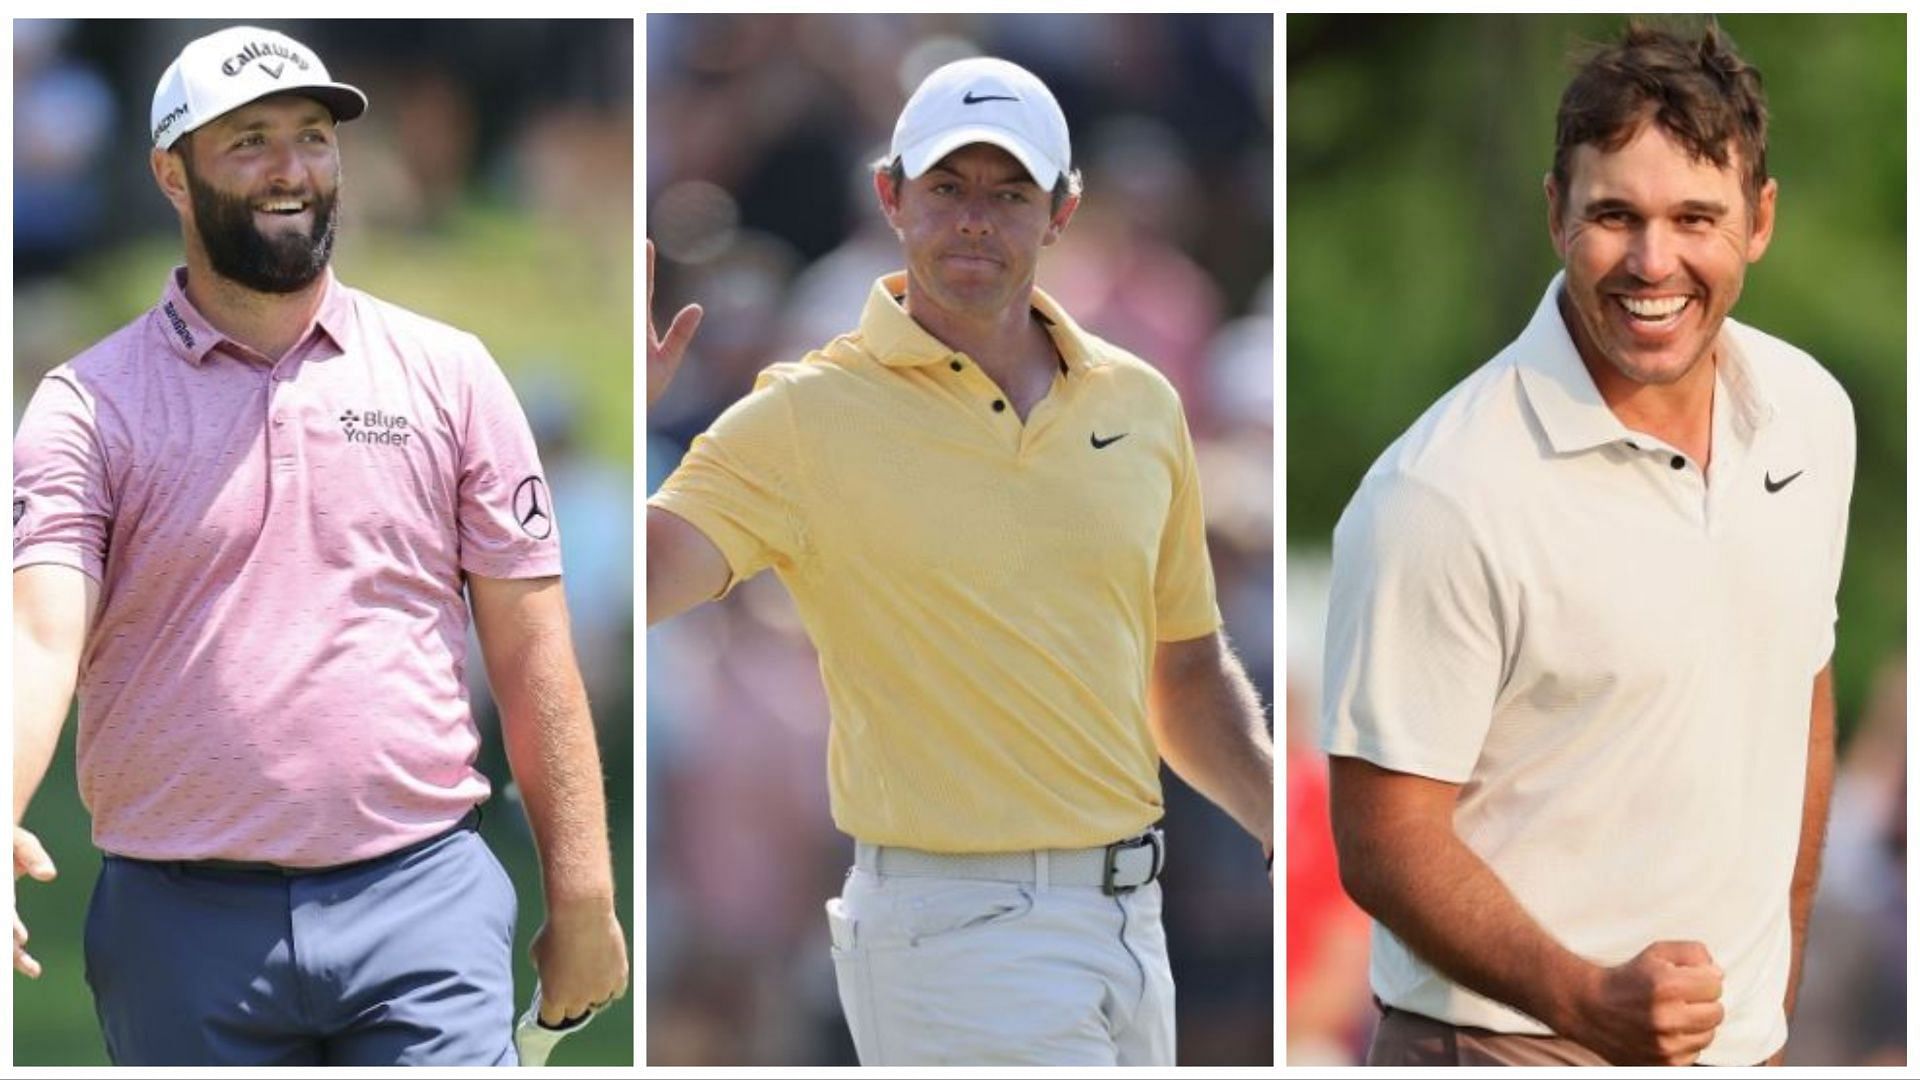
(192, 337)
(898, 341)
(1569, 405)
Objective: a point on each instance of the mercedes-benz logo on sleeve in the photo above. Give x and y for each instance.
(533, 509)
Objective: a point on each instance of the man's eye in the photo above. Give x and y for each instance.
(1013, 196)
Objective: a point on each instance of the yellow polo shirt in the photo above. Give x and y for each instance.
(985, 595)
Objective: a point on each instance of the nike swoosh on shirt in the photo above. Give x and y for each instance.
(1773, 486)
(1101, 444)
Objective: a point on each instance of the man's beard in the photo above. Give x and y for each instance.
(240, 252)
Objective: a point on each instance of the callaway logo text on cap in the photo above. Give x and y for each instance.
(984, 100)
(217, 74)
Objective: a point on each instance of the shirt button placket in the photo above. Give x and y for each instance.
(282, 438)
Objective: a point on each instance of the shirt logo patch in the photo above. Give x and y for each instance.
(530, 508)
(376, 428)
(179, 325)
(1775, 485)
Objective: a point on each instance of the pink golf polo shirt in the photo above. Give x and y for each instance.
(276, 670)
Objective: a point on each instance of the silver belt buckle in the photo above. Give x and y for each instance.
(1153, 841)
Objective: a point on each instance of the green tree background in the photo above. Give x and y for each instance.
(1417, 245)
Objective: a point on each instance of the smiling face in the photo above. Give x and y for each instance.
(973, 225)
(258, 188)
(1656, 246)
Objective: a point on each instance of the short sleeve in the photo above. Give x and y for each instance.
(508, 521)
(1183, 598)
(1837, 552)
(62, 500)
(736, 482)
(1414, 651)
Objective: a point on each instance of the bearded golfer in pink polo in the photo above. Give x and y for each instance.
(250, 529)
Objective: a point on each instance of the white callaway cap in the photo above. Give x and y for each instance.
(983, 100)
(225, 70)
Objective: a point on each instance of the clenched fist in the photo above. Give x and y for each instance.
(1660, 1008)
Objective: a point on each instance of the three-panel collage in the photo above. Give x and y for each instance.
(1044, 417)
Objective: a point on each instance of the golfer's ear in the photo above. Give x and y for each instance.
(1556, 227)
(889, 196)
(170, 174)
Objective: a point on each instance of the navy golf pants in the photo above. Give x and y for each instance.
(403, 960)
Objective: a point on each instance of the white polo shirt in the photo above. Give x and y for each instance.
(1613, 652)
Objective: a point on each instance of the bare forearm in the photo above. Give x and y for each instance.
(1813, 823)
(550, 745)
(579, 950)
(1446, 904)
(43, 681)
(52, 615)
(1209, 727)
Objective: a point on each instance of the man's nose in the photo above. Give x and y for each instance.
(283, 165)
(975, 219)
(1653, 255)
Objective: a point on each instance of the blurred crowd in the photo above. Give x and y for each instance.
(1852, 1007)
(760, 131)
(531, 114)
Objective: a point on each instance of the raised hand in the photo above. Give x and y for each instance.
(664, 355)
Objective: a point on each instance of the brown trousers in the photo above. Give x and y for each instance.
(1405, 1038)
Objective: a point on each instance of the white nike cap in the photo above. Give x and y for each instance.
(219, 73)
(984, 100)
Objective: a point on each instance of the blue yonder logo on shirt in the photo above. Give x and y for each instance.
(376, 428)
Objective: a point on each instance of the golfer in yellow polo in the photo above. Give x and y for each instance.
(990, 521)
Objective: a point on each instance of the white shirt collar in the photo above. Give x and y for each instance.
(1569, 405)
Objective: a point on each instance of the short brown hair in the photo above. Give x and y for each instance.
(1698, 90)
(1068, 184)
